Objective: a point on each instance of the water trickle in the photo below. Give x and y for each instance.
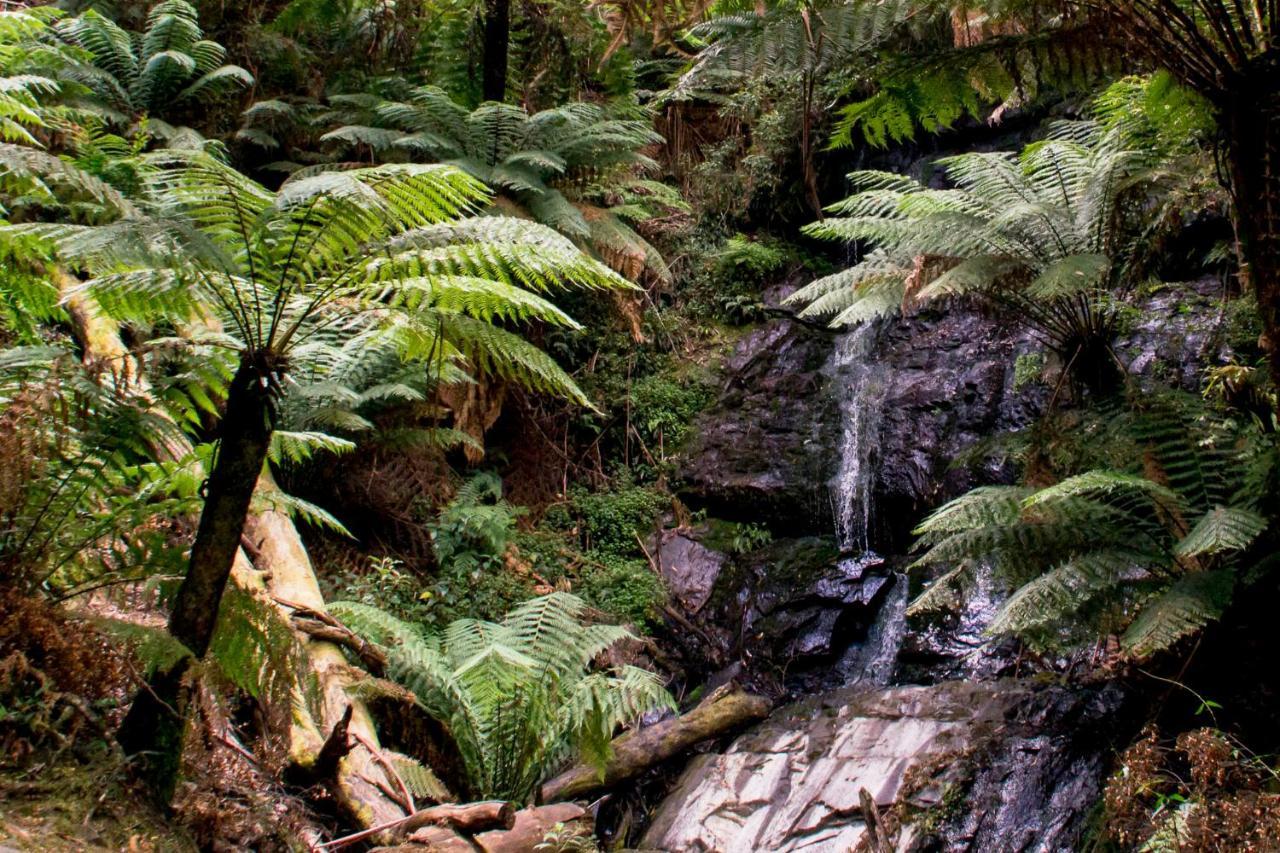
(860, 388)
(873, 661)
(860, 383)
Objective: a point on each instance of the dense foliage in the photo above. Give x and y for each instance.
(420, 306)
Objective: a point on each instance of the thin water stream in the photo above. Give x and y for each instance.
(860, 384)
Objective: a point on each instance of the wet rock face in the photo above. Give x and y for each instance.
(764, 449)
(1176, 332)
(952, 384)
(767, 448)
(689, 568)
(788, 610)
(1035, 782)
(956, 766)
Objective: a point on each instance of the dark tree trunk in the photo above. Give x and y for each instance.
(497, 38)
(1251, 120)
(245, 435)
(155, 726)
(156, 723)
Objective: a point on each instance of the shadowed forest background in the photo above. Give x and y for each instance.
(570, 426)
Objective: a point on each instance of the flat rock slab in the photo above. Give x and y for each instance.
(793, 783)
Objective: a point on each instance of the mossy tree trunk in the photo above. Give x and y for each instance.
(1251, 119)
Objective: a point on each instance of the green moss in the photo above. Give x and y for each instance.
(626, 588)
(732, 537)
(89, 805)
(663, 407)
(1242, 324)
(1027, 369)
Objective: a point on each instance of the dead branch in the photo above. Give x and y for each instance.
(467, 817)
(335, 748)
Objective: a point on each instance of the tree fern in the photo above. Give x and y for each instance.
(89, 504)
(156, 70)
(1147, 554)
(519, 697)
(1050, 234)
(561, 165)
(378, 251)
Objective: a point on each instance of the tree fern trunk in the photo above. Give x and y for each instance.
(497, 39)
(242, 450)
(1251, 120)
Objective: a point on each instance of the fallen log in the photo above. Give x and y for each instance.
(726, 708)
(531, 826)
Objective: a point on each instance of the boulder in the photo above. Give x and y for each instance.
(764, 449)
(689, 568)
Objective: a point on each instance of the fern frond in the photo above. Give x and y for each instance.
(1220, 530)
(1184, 608)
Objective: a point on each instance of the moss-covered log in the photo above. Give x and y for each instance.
(724, 710)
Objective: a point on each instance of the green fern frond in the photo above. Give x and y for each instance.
(1221, 530)
(1182, 609)
(521, 696)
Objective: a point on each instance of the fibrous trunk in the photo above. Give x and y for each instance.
(280, 570)
(1251, 120)
(497, 38)
(242, 450)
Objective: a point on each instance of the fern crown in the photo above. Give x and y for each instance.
(519, 697)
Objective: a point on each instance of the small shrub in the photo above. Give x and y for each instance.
(663, 408)
(625, 588)
(609, 522)
(386, 584)
(1207, 792)
(476, 527)
(1027, 369)
(741, 256)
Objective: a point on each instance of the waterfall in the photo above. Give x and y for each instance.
(860, 384)
(872, 662)
(860, 388)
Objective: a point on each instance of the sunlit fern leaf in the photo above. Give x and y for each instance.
(376, 625)
(535, 159)
(299, 509)
(1182, 609)
(153, 646)
(980, 507)
(56, 177)
(152, 71)
(1056, 596)
(257, 650)
(297, 447)
(519, 697)
(1046, 234)
(419, 779)
(944, 593)
(1220, 530)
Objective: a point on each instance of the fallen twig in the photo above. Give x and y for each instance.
(386, 765)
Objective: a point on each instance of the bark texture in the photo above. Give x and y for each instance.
(1251, 119)
(281, 570)
(243, 440)
(288, 578)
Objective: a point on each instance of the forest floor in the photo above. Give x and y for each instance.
(82, 806)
